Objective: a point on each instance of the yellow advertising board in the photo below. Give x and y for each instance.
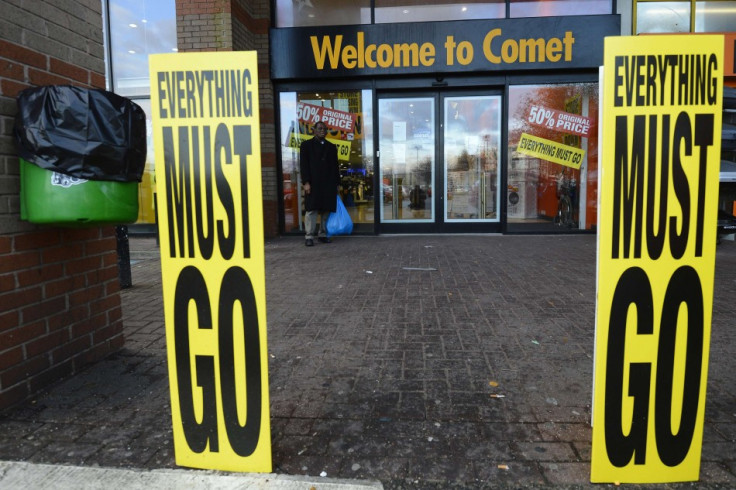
(208, 172)
(549, 150)
(660, 159)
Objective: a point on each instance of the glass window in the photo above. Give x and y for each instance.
(349, 119)
(472, 146)
(553, 157)
(406, 127)
(394, 11)
(715, 16)
(552, 8)
(139, 28)
(300, 13)
(654, 17)
(147, 186)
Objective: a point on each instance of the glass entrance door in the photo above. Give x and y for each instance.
(407, 145)
(438, 163)
(472, 146)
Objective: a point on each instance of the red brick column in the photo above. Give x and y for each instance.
(59, 289)
(239, 25)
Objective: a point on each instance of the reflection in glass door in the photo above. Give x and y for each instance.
(472, 146)
(407, 144)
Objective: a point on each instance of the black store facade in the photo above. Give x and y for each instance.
(477, 126)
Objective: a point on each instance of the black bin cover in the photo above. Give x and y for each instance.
(86, 133)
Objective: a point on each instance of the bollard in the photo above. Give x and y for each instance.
(126, 280)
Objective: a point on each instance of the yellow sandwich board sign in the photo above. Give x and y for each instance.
(661, 126)
(208, 169)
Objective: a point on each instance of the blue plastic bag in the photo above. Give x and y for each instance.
(339, 222)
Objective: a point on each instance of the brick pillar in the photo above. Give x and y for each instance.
(239, 25)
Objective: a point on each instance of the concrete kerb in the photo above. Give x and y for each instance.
(62, 477)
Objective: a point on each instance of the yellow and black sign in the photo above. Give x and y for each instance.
(295, 141)
(549, 150)
(208, 169)
(661, 126)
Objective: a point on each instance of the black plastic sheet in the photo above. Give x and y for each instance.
(85, 133)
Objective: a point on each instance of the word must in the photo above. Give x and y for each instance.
(637, 166)
(194, 179)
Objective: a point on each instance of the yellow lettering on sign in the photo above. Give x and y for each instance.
(335, 53)
(361, 55)
(463, 49)
(529, 50)
(326, 49)
(349, 57)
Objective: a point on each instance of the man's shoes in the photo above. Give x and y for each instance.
(323, 239)
(309, 242)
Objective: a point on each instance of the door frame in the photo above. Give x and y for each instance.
(439, 225)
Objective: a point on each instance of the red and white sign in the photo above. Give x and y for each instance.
(561, 121)
(334, 119)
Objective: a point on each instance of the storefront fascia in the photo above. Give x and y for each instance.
(494, 75)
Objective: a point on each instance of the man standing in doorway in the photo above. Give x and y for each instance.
(320, 180)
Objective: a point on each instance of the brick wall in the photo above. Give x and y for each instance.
(203, 26)
(61, 306)
(251, 20)
(239, 25)
(59, 288)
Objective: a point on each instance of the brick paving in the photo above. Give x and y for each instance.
(383, 356)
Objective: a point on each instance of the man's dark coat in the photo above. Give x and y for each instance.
(318, 164)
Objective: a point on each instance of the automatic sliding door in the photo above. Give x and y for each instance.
(439, 173)
(407, 159)
(472, 146)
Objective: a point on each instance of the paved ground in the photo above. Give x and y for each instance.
(384, 352)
